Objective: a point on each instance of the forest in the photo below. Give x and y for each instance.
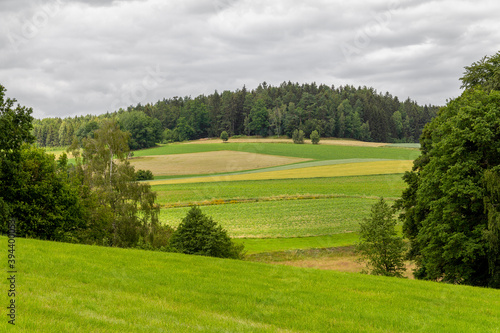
(344, 112)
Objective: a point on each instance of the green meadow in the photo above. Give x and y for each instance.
(283, 218)
(77, 288)
(316, 152)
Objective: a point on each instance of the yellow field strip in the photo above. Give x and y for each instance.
(350, 169)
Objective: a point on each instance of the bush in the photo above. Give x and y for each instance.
(298, 136)
(199, 234)
(315, 137)
(224, 136)
(144, 175)
(379, 244)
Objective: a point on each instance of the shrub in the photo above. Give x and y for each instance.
(315, 137)
(144, 175)
(201, 235)
(298, 136)
(379, 244)
(224, 136)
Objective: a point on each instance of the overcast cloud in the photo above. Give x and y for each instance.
(74, 57)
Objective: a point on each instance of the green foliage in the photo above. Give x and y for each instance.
(201, 235)
(379, 244)
(484, 73)
(258, 118)
(315, 137)
(492, 233)
(86, 130)
(170, 135)
(44, 202)
(121, 211)
(445, 216)
(144, 175)
(224, 136)
(298, 136)
(144, 131)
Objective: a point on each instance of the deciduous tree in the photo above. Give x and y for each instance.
(380, 246)
(449, 207)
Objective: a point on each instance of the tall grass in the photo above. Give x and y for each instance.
(76, 288)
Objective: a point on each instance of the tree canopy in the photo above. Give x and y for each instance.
(345, 111)
(450, 213)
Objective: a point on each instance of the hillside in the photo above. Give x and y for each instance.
(77, 288)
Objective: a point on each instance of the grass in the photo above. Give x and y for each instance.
(261, 245)
(76, 288)
(373, 185)
(286, 218)
(337, 170)
(316, 152)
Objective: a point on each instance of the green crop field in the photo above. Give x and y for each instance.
(283, 218)
(77, 288)
(259, 245)
(373, 185)
(316, 152)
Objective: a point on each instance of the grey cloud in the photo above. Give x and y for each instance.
(96, 56)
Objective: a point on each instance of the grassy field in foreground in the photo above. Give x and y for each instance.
(284, 218)
(75, 288)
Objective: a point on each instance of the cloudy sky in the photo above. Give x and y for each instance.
(74, 57)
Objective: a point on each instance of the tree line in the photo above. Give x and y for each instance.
(95, 200)
(345, 112)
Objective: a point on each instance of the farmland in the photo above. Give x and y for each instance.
(288, 226)
(314, 201)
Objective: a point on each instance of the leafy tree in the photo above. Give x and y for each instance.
(184, 129)
(123, 211)
(224, 136)
(379, 244)
(34, 188)
(201, 235)
(298, 136)
(315, 137)
(143, 175)
(15, 130)
(144, 131)
(484, 73)
(450, 213)
(46, 205)
(258, 118)
(86, 130)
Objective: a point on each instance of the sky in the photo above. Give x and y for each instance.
(65, 58)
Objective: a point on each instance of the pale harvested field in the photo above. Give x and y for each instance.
(209, 162)
(339, 142)
(337, 170)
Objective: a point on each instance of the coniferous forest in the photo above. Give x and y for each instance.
(345, 112)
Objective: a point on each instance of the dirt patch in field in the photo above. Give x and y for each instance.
(209, 162)
(337, 142)
(341, 264)
(342, 259)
